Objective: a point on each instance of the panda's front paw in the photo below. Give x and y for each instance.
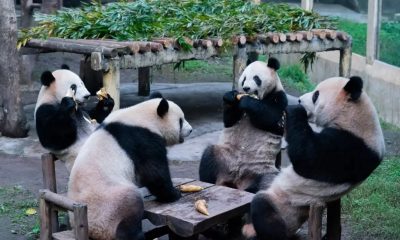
(296, 112)
(230, 97)
(68, 104)
(170, 196)
(107, 103)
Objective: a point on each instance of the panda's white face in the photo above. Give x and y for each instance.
(173, 125)
(64, 80)
(258, 79)
(326, 101)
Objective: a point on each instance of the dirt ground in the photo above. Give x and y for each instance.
(199, 94)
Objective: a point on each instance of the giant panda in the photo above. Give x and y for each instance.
(128, 150)
(253, 128)
(61, 124)
(325, 165)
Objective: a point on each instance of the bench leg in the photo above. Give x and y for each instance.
(144, 81)
(315, 222)
(111, 81)
(239, 64)
(333, 227)
(173, 236)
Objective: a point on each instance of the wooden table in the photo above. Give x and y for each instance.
(181, 217)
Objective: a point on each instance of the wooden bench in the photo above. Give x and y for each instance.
(179, 219)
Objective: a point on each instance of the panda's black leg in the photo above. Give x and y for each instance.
(130, 228)
(208, 169)
(266, 220)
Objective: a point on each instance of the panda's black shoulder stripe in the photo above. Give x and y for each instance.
(137, 142)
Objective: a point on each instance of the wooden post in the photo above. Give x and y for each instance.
(239, 64)
(374, 18)
(51, 6)
(81, 222)
(144, 81)
(45, 222)
(92, 79)
(315, 222)
(307, 4)
(111, 81)
(49, 182)
(345, 62)
(333, 227)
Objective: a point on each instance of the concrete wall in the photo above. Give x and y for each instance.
(381, 80)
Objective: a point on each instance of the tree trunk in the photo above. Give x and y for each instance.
(12, 119)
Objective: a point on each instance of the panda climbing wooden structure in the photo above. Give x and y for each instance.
(61, 124)
(251, 139)
(126, 152)
(325, 165)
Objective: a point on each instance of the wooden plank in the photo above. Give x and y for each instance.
(373, 27)
(333, 228)
(183, 219)
(315, 222)
(65, 235)
(111, 81)
(58, 199)
(81, 222)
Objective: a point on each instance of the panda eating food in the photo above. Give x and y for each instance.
(251, 139)
(324, 165)
(107, 178)
(61, 124)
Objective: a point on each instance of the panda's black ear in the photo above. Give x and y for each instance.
(47, 78)
(162, 108)
(65, 66)
(354, 87)
(273, 63)
(155, 95)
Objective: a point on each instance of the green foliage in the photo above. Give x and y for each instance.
(293, 76)
(389, 39)
(374, 206)
(196, 19)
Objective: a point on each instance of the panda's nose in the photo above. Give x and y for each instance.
(246, 89)
(299, 101)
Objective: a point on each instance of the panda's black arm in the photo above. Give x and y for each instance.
(102, 109)
(148, 152)
(333, 155)
(55, 125)
(266, 114)
(232, 113)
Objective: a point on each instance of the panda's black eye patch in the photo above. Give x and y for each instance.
(244, 79)
(315, 96)
(257, 80)
(180, 123)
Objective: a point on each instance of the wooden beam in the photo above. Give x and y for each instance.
(111, 80)
(315, 222)
(374, 17)
(307, 4)
(239, 64)
(58, 200)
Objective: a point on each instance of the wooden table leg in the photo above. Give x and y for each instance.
(345, 62)
(315, 222)
(333, 227)
(173, 236)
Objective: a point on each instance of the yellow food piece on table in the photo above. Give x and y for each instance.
(190, 188)
(201, 206)
(30, 211)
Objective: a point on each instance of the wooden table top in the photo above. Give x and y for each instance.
(181, 216)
